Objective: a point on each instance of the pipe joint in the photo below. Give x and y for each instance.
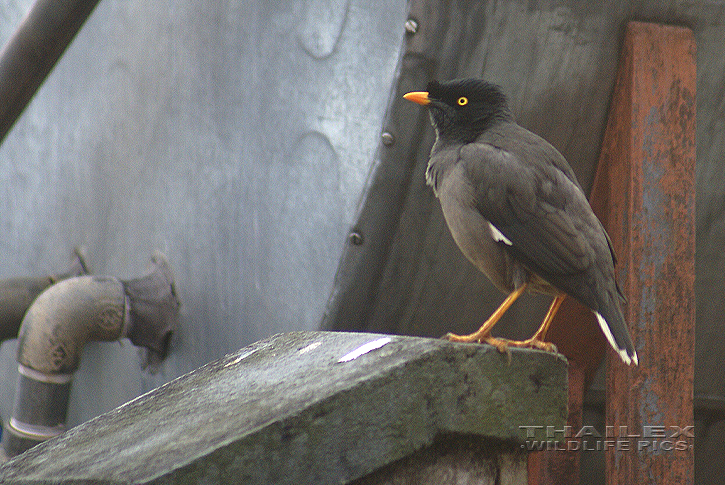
(153, 310)
(17, 294)
(59, 323)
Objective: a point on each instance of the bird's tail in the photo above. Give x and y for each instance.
(611, 320)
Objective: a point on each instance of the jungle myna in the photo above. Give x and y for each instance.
(517, 211)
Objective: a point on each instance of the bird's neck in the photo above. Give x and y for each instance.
(466, 129)
(443, 156)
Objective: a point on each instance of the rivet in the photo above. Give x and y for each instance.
(387, 138)
(355, 238)
(411, 26)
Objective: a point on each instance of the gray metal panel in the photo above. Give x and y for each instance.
(235, 136)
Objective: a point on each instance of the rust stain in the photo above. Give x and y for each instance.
(653, 230)
(644, 194)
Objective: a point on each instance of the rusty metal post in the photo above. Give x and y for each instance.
(644, 194)
(648, 173)
(32, 51)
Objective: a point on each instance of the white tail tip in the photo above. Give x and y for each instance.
(629, 360)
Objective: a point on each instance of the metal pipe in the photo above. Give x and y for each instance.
(32, 51)
(17, 294)
(60, 322)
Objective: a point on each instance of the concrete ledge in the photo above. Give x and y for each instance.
(307, 407)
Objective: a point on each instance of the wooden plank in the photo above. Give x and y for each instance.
(648, 162)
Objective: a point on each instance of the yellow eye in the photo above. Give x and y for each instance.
(462, 101)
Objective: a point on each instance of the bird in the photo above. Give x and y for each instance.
(517, 212)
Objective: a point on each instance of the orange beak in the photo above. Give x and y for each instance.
(420, 97)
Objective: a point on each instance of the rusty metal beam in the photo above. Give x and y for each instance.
(33, 50)
(648, 163)
(644, 194)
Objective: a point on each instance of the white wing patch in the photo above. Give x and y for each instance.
(498, 235)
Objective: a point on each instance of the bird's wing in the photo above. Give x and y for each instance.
(541, 212)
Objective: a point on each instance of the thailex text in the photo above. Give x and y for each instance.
(658, 438)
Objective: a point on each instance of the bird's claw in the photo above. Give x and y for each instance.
(452, 337)
(545, 346)
(532, 343)
(502, 344)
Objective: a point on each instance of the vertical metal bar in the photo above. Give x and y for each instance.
(33, 50)
(648, 164)
(644, 194)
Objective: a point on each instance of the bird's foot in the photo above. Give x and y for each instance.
(531, 343)
(502, 344)
(470, 338)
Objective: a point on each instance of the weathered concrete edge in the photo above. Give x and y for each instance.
(444, 388)
(452, 394)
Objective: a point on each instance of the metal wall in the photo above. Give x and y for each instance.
(238, 138)
(234, 136)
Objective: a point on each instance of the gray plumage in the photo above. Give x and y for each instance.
(515, 207)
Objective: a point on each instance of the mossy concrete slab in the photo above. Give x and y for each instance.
(306, 407)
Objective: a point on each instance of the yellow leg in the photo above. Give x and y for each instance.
(555, 305)
(484, 333)
(537, 340)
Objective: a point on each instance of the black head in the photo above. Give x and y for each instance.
(462, 109)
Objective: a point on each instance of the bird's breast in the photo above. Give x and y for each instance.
(479, 241)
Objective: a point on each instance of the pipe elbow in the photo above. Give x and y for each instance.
(52, 335)
(65, 317)
(17, 294)
(62, 320)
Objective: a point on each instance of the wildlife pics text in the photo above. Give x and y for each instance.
(651, 438)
